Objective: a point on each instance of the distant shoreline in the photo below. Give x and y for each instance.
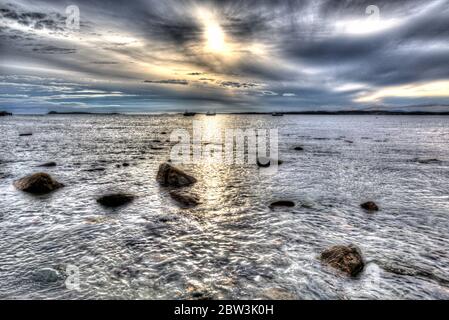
(377, 113)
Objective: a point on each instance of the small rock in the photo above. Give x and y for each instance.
(25, 134)
(95, 169)
(48, 164)
(349, 141)
(282, 203)
(46, 275)
(370, 206)
(184, 198)
(427, 161)
(169, 175)
(38, 183)
(115, 200)
(347, 259)
(125, 164)
(265, 162)
(299, 148)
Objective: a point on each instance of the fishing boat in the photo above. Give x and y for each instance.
(277, 114)
(189, 114)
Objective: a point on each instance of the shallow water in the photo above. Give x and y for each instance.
(232, 245)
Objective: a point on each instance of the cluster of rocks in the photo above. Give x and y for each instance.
(4, 113)
(173, 177)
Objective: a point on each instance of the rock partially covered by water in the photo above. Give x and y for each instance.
(25, 134)
(46, 275)
(282, 203)
(370, 206)
(347, 259)
(48, 164)
(115, 199)
(298, 148)
(265, 162)
(38, 183)
(184, 198)
(170, 176)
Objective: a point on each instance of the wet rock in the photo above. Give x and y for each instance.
(184, 198)
(46, 275)
(298, 148)
(169, 175)
(48, 164)
(349, 141)
(265, 162)
(115, 200)
(347, 259)
(426, 161)
(95, 169)
(38, 183)
(25, 134)
(282, 203)
(125, 164)
(370, 206)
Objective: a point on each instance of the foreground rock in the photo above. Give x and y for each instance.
(48, 164)
(38, 183)
(184, 198)
(370, 206)
(46, 275)
(115, 200)
(170, 176)
(282, 203)
(347, 259)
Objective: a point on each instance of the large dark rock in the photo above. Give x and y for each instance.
(115, 199)
(370, 206)
(184, 198)
(347, 259)
(4, 113)
(38, 183)
(170, 176)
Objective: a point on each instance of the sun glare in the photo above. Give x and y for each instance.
(214, 36)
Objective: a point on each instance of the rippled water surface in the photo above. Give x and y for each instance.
(232, 245)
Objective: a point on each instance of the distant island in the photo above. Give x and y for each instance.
(4, 113)
(82, 112)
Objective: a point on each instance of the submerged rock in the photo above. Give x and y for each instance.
(426, 161)
(265, 162)
(185, 198)
(48, 164)
(282, 203)
(347, 259)
(38, 183)
(169, 175)
(46, 275)
(370, 206)
(115, 200)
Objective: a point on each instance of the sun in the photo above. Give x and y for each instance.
(215, 37)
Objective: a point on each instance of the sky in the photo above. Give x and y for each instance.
(227, 55)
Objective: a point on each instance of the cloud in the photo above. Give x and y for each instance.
(169, 81)
(298, 54)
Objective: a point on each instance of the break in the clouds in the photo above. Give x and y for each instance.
(228, 55)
